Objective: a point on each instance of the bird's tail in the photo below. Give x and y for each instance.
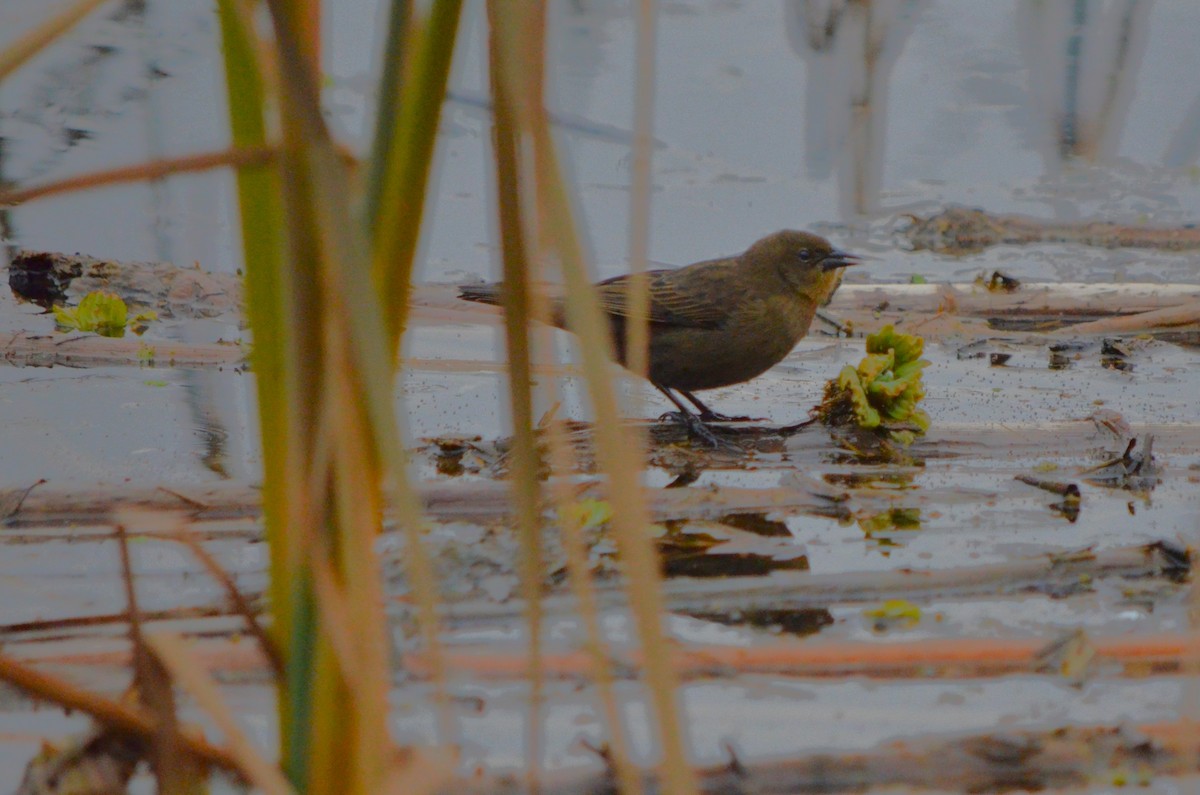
(490, 294)
(480, 293)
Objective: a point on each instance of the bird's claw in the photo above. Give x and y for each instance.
(696, 427)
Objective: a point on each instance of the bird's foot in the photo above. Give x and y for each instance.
(696, 427)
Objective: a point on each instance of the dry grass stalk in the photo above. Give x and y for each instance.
(154, 169)
(114, 714)
(44, 35)
(518, 303)
(172, 651)
(638, 326)
(176, 771)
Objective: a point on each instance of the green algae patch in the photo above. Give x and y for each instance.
(883, 392)
(102, 313)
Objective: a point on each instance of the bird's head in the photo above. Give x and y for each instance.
(808, 262)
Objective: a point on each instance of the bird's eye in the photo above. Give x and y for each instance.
(805, 255)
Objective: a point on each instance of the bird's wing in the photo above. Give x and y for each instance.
(669, 302)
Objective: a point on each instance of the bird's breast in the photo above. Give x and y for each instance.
(759, 333)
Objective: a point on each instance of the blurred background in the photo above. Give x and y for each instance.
(823, 114)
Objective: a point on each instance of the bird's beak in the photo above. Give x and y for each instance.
(839, 259)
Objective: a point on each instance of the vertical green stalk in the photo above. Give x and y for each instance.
(391, 81)
(399, 180)
(356, 453)
(342, 428)
(297, 611)
(262, 235)
(269, 292)
(416, 69)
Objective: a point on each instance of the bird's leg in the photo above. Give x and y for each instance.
(708, 415)
(695, 425)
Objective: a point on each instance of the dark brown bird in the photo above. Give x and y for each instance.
(722, 321)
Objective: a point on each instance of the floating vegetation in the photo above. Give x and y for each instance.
(998, 282)
(882, 393)
(1115, 355)
(891, 480)
(800, 622)
(891, 519)
(892, 614)
(758, 524)
(586, 514)
(680, 561)
(103, 313)
(1068, 490)
(1135, 471)
(454, 456)
(1072, 498)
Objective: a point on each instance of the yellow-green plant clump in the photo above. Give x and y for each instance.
(883, 391)
(103, 313)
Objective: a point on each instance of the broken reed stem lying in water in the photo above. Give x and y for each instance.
(1050, 574)
(1053, 574)
(47, 507)
(1184, 315)
(1159, 654)
(1132, 656)
(107, 712)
